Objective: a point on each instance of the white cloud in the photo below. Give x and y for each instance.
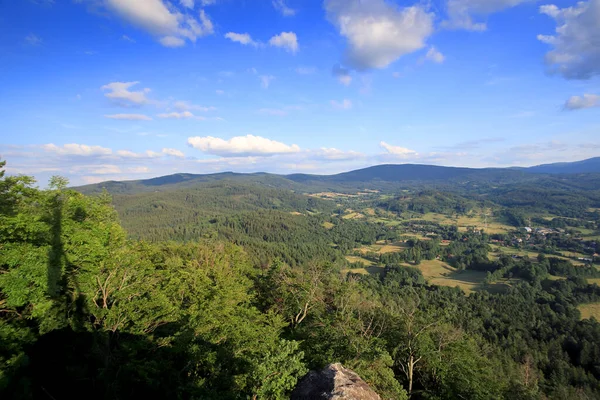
(186, 106)
(249, 145)
(378, 32)
(242, 38)
(461, 13)
(342, 105)
(306, 70)
(119, 91)
(172, 41)
(285, 40)
(173, 153)
(398, 151)
(73, 149)
(434, 55)
(342, 74)
(167, 22)
(187, 3)
(33, 40)
(265, 81)
(129, 117)
(581, 102)
(131, 154)
(283, 8)
(576, 44)
(178, 115)
(127, 39)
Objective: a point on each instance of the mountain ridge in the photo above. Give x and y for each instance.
(384, 176)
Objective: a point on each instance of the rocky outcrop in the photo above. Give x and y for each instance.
(334, 382)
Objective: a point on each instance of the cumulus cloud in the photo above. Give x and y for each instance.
(462, 13)
(172, 41)
(576, 43)
(74, 149)
(342, 74)
(398, 151)
(283, 8)
(581, 102)
(342, 105)
(131, 154)
(285, 40)
(166, 22)
(378, 32)
(178, 115)
(434, 55)
(265, 81)
(173, 153)
(242, 38)
(187, 3)
(248, 145)
(129, 117)
(119, 92)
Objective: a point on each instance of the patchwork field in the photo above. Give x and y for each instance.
(590, 310)
(383, 248)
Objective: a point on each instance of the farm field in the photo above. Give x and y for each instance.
(439, 273)
(590, 310)
(382, 248)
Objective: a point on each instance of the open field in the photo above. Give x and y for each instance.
(591, 281)
(383, 248)
(439, 273)
(354, 259)
(328, 225)
(590, 310)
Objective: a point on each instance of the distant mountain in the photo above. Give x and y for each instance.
(382, 177)
(591, 165)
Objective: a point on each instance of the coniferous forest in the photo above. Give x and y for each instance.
(231, 289)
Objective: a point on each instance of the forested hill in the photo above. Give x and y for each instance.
(578, 167)
(381, 177)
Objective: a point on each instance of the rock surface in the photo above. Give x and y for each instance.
(334, 382)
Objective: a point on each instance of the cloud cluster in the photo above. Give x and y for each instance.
(576, 43)
(401, 152)
(129, 117)
(120, 93)
(171, 25)
(434, 55)
(581, 102)
(241, 146)
(285, 40)
(280, 6)
(461, 13)
(378, 33)
(241, 38)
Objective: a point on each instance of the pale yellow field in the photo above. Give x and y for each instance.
(439, 273)
(328, 225)
(353, 215)
(594, 280)
(354, 259)
(590, 310)
(382, 248)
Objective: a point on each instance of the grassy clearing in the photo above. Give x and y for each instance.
(364, 261)
(591, 281)
(353, 215)
(383, 248)
(590, 310)
(439, 273)
(328, 225)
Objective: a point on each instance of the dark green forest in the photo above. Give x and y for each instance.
(230, 289)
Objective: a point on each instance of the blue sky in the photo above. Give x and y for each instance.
(96, 90)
